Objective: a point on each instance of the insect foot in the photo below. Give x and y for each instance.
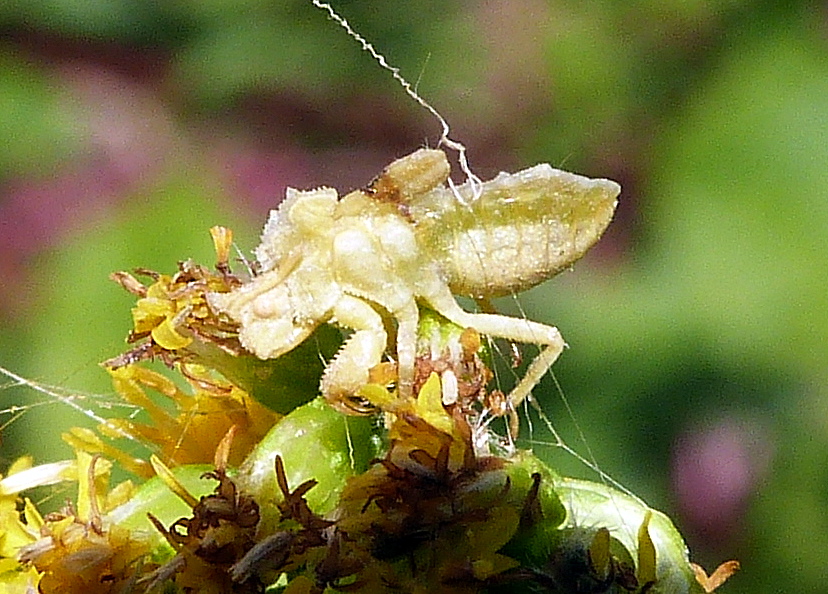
(378, 254)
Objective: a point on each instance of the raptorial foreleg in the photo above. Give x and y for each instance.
(347, 372)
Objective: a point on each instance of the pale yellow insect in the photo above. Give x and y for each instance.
(407, 241)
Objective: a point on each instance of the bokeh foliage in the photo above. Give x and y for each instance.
(703, 308)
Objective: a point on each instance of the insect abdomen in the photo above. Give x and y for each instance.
(505, 259)
(521, 230)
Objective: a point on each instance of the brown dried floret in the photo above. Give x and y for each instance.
(432, 514)
(172, 312)
(219, 533)
(719, 576)
(302, 536)
(457, 355)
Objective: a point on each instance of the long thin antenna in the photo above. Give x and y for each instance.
(474, 181)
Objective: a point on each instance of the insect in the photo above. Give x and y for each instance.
(409, 240)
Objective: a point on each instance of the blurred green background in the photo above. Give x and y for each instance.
(697, 368)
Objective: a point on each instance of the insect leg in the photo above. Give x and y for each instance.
(347, 372)
(537, 369)
(407, 320)
(510, 328)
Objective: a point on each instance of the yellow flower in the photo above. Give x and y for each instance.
(18, 530)
(172, 311)
(205, 414)
(74, 551)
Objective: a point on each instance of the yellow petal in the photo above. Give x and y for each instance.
(38, 476)
(166, 336)
(174, 485)
(646, 552)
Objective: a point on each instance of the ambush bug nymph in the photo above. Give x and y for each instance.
(407, 241)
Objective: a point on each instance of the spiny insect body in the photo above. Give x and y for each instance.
(406, 241)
